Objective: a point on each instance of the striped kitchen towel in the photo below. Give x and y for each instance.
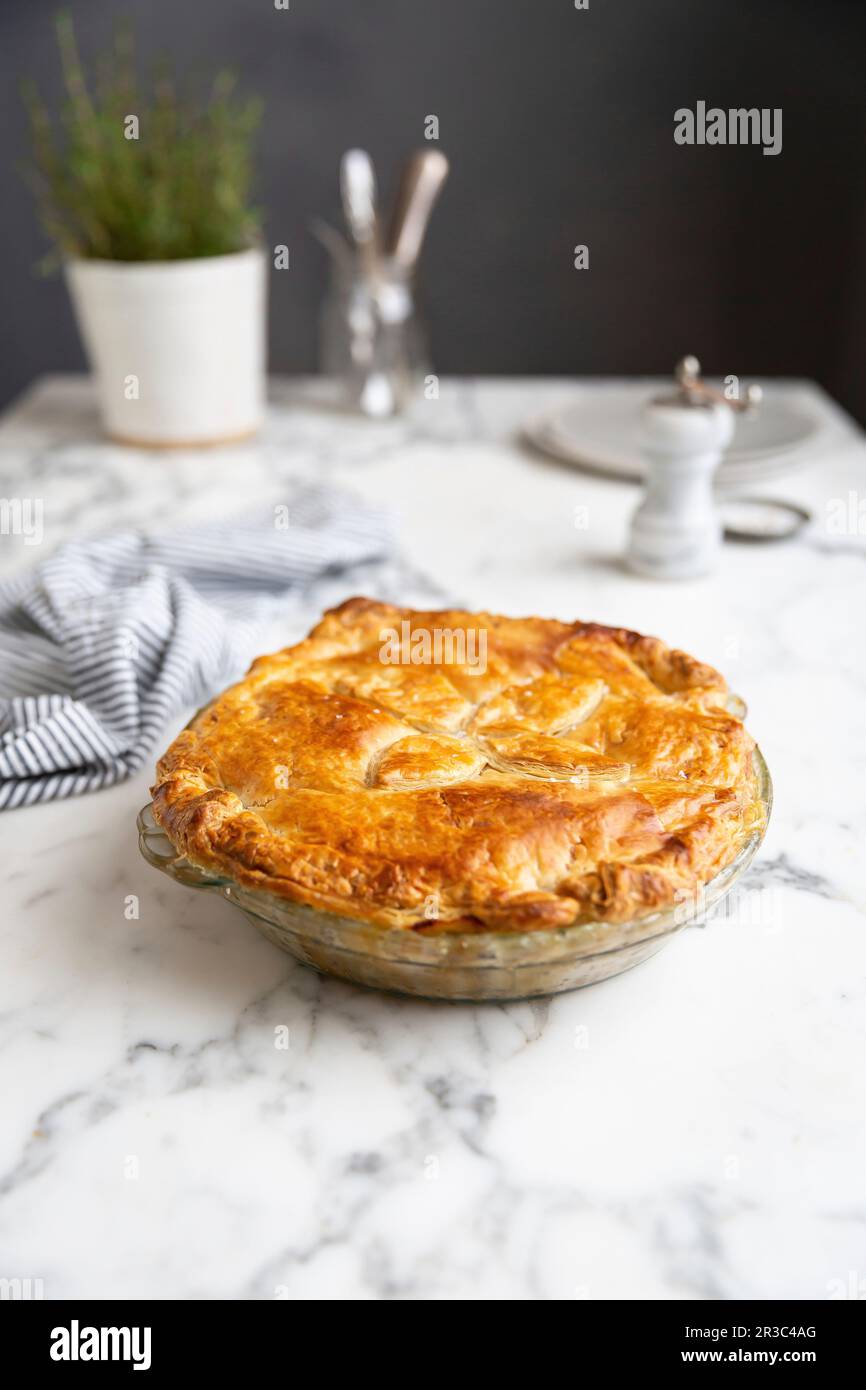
(107, 639)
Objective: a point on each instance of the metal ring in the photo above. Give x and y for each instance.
(790, 519)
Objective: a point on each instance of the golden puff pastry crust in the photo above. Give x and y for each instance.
(462, 771)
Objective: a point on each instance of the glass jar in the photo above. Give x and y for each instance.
(372, 341)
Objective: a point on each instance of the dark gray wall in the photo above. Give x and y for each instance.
(559, 124)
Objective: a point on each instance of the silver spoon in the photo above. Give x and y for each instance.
(358, 189)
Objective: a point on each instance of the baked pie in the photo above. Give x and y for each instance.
(456, 771)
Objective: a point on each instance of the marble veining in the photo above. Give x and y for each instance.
(188, 1113)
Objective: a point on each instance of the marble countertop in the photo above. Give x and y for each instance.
(693, 1129)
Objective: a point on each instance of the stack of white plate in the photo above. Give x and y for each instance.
(600, 431)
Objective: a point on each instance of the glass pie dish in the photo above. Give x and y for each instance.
(489, 965)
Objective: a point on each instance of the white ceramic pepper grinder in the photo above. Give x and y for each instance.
(676, 532)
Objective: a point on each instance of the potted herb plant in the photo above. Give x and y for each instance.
(146, 197)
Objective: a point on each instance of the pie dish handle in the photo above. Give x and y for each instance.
(158, 850)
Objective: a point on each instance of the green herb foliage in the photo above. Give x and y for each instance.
(181, 189)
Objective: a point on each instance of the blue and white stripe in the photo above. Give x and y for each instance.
(109, 637)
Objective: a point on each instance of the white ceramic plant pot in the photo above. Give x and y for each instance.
(177, 347)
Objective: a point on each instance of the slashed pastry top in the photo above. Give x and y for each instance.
(463, 771)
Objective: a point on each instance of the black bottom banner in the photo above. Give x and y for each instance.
(159, 1338)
